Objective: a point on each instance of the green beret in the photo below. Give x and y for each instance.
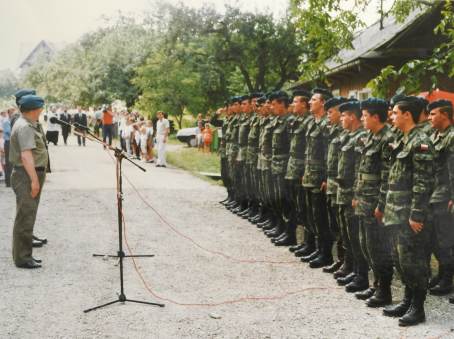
(333, 102)
(375, 104)
(353, 106)
(279, 95)
(22, 92)
(395, 99)
(244, 97)
(438, 104)
(234, 99)
(414, 101)
(30, 102)
(256, 95)
(301, 93)
(323, 91)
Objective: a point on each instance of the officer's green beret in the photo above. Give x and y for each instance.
(30, 102)
(256, 95)
(278, 95)
(438, 104)
(323, 91)
(333, 102)
(375, 104)
(301, 93)
(22, 92)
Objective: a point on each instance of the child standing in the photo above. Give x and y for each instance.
(207, 138)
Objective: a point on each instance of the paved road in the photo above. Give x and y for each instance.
(78, 215)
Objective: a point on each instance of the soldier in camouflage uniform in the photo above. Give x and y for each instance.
(424, 122)
(314, 176)
(284, 231)
(351, 147)
(442, 196)
(330, 186)
(369, 201)
(410, 185)
(241, 170)
(295, 169)
(223, 155)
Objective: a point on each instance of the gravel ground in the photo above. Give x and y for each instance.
(78, 216)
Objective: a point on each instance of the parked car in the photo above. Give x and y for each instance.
(188, 136)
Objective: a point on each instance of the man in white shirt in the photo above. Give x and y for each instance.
(162, 133)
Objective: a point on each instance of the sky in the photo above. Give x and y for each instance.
(24, 23)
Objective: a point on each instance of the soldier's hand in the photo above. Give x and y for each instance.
(378, 215)
(34, 188)
(354, 203)
(416, 226)
(323, 186)
(450, 204)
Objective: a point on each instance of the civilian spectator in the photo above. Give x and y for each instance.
(107, 125)
(162, 134)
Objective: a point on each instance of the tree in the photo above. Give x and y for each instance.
(8, 83)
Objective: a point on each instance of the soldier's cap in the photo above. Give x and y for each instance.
(374, 104)
(396, 98)
(413, 101)
(234, 99)
(351, 106)
(301, 93)
(438, 104)
(261, 100)
(254, 95)
(22, 92)
(278, 95)
(30, 102)
(244, 97)
(334, 101)
(323, 91)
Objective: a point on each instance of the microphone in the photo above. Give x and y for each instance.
(55, 120)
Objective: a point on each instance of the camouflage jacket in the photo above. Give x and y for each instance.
(443, 166)
(316, 153)
(336, 134)
(223, 140)
(233, 148)
(426, 127)
(266, 143)
(243, 132)
(410, 180)
(281, 144)
(372, 175)
(253, 140)
(349, 159)
(295, 165)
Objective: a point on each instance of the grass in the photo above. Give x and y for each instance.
(195, 161)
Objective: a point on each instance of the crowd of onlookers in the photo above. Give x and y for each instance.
(207, 130)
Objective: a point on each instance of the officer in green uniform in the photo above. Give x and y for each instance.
(285, 231)
(410, 185)
(314, 176)
(28, 156)
(251, 159)
(330, 186)
(351, 147)
(223, 155)
(369, 201)
(441, 199)
(295, 169)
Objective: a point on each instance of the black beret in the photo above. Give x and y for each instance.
(302, 93)
(323, 91)
(244, 97)
(438, 104)
(261, 100)
(333, 102)
(412, 100)
(375, 103)
(278, 95)
(256, 95)
(234, 99)
(351, 106)
(395, 99)
(22, 92)
(30, 102)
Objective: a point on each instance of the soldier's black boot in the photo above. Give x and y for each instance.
(326, 256)
(415, 314)
(289, 237)
(311, 256)
(444, 286)
(366, 294)
(342, 281)
(382, 295)
(296, 247)
(451, 300)
(309, 245)
(278, 238)
(332, 268)
(359, 283)
(401, 308)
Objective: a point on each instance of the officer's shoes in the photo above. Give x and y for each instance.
(358, 284)
(320, 261)
(310, 256)
(36, 243)
(287, 240)
(29, 265)
(332, 268)
(39, 261)
(366, 294)
(342, 281)
(43, 240)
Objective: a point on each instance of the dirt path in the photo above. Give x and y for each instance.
(78, 216)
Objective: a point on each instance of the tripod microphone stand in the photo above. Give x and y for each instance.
(119, 156)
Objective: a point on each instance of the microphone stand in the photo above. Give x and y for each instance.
(119, 155)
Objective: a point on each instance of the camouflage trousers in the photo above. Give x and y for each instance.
(443, 234)
(225, 174)
(409, 252)
(376, 246)
(266, 187)
(26, 210)
(349, 222)
(297, 206)
(252, 182)
(334, 226)
(317, 214)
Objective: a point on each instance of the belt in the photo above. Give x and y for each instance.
(37, 169)
(368, 177)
